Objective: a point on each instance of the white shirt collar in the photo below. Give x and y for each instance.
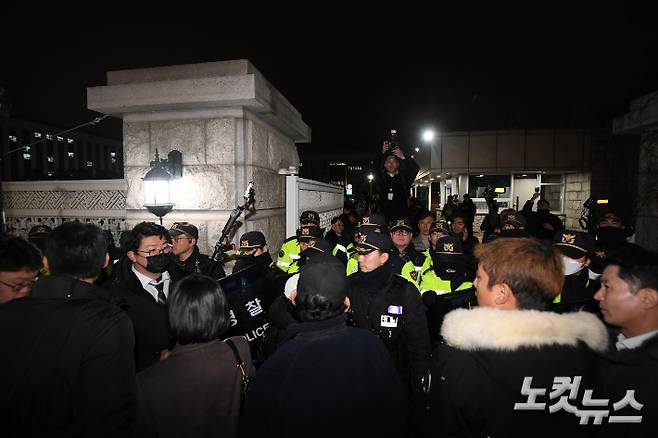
(147, 283)
(624, 343)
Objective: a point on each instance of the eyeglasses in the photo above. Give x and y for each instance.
(19, 287)
(166, 249)
(176, 239)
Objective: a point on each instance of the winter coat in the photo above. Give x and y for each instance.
(67, 363)
(479, 372)
(195, 392)
(395, 190)
(330, 380)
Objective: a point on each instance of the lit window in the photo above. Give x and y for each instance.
(49, 137)
(114, 160)
(51, 173)
(69, 140)
(89, 164)
(113, 154)
(27, 156)
(51, 159)
(37, 135)
(13, 138)
(26, 149)
(59, 138)
(71, 154)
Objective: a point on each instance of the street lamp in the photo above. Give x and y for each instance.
(370, 178)
(157, 183)
(428, 135)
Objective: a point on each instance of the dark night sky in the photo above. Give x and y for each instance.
(352, 75)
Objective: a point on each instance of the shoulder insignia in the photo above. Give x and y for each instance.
(281, 253)
(414, 275)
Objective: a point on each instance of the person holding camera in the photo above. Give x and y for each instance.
(395, 174)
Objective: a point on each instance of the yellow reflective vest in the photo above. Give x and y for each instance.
(431, 281)
(288, 254)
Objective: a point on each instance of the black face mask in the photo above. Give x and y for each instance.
(158, 263)
(610, 236)
(449, 270)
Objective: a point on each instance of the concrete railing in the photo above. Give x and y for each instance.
(305, 194)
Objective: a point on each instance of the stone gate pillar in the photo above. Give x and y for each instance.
(642, 119)
(231, 126)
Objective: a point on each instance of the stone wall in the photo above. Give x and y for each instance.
(577, 190)
(231, 126)
(614, 172)
(215, 173)
(101, 202)
(647, 193)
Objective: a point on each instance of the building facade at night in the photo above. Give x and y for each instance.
(71, 156)
(567, 166)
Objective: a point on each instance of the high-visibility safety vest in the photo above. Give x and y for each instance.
(428, 260)
(288, 254)
(352, 264)
(431, 281)
(412, 273)
(341, 248)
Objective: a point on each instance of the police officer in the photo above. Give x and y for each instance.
(374, 222)
(513, 225)
(576, 248)
(38, 235)
(448, 273)
(306, 236)
(253, 251)
(390, 307)
(438, 229)
(405, 259)
(290, 250)
(184, 236)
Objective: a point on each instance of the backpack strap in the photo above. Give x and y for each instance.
(243, 374)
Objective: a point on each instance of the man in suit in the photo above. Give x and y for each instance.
(143, 280)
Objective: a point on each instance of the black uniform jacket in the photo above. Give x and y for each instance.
(198, 263)
(396, 314)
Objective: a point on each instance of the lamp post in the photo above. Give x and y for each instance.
(370, 178)
(157, 183)
(428, 137)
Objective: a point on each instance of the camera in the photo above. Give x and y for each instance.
(393, 140)
(593, 208)
(489, 193)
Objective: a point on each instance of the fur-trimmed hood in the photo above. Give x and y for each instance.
(485, 328)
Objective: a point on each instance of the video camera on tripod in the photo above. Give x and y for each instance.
(591, 211)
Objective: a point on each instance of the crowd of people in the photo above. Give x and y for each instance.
(389, 323)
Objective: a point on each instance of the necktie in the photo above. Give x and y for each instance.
(159, 285)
